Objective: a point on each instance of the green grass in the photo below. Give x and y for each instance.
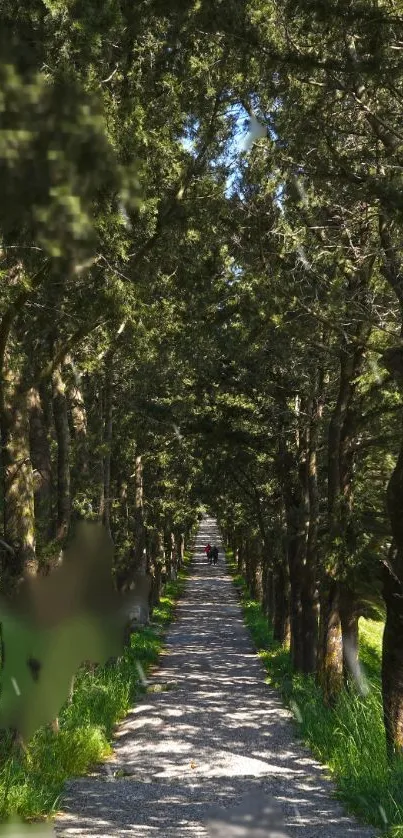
(31, 783)
(348, 739)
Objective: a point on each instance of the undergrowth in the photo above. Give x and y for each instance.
(349, 738)
(31, 783)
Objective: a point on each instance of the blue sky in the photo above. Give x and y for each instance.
(238, 143)
(244, 131)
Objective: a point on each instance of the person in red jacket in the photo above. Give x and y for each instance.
(207, 551)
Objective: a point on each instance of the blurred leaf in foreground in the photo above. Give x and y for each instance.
(57, 623)
(25, 830)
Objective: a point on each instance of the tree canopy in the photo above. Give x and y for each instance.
(201, 300)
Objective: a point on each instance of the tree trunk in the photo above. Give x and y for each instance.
(260, 558)
(251, 567)
(181, 550)
(294, 480)
(156, 583)
(240, 561)
(63, 455)
(297, 645)
(339, 509)
(281, 622)
(107, 448)
(174, 556)
(157, 563)
(392, 652)
(296, 546)
(330, 663)
(79, 420)
(171, 564)
(392, 660)
(267, 585)
(139, 532)
(392, 664)
(123, 505)
(309, 591)
(168, 557)
(246, 551)
(349, 630)
(41, 463)
(309, 621)
(19, 512)
(99, 468)
(162, 554)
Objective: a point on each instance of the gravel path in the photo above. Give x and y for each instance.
(211, 751)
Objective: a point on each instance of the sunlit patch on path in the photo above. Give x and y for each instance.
(210, 750)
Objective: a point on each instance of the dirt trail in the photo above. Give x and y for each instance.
(213, 752)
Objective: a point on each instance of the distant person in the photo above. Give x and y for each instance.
(214, 554)
(207, 550)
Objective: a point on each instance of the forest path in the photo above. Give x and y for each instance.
(213, 753)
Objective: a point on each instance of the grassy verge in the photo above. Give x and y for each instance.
(31, 784)
(349, 739)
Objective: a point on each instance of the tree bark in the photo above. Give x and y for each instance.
(123, 504)
(139, 532)
(330, 663)
(260, 559)
(157, 563)
(18, 489)
(392, 651)
(100, 431)
(341, 431)
(251, 563)
(392, 662)
(309, 619)
(63, 455)
(240, 561)
(79, 421)
(107, 448)
(174, 556)
(41, 463)
(294, 471)
(309, 589)
(281, 621)
(296, 548)
(181, 550)
(349, 631)
(267, 585)
(296, 647)
(171, 565)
